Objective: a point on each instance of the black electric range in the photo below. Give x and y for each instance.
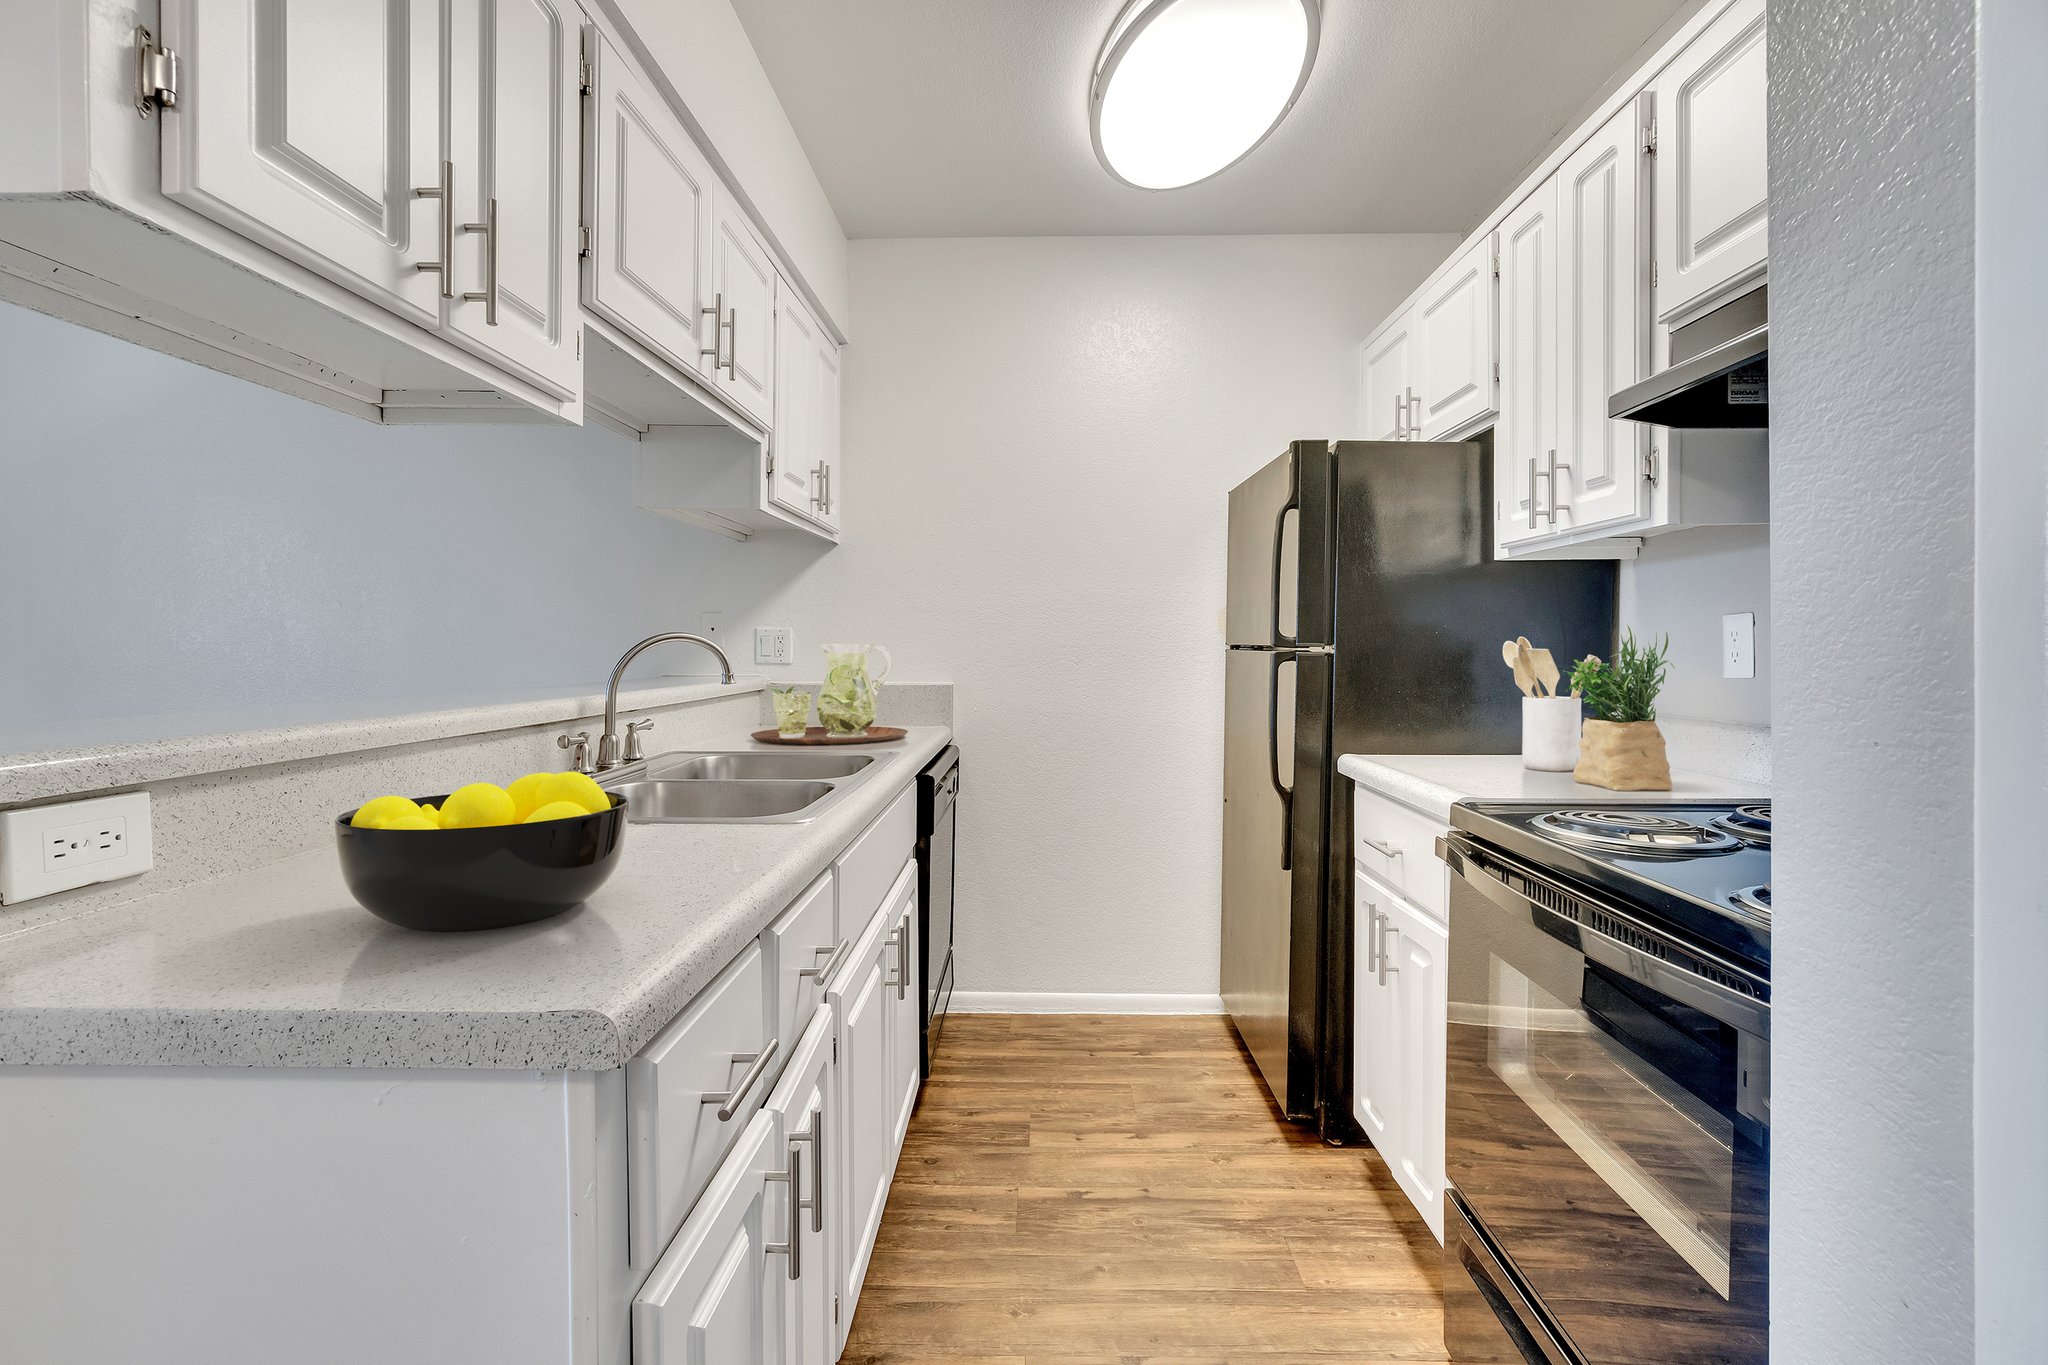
(1607, 1123)
(1703, 869)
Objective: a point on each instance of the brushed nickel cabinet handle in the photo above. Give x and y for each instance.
(1386, 850)
(732, 344)
(717, 312)
(813, 1133)
(824, 973)
(1414, 414)
(1555, 465)
(729, 1101)
(445, 192)
(1387, 967)
(794, 1247)
(1372, 939)
(1400, 418)
(1533, 509)
(489, 296)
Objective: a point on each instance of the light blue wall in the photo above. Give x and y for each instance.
(184, 552)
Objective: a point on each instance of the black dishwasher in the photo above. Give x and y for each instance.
(937, 788)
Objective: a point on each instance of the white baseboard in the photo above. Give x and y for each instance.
(1054, 1002)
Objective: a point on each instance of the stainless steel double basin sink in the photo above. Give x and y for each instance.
(747, 788)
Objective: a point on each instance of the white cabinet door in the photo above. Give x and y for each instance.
(1386, 380)
(798, 481)
(862, 1000)
(905, 1006)
(717, 1296)
(831, 446)
(513, 88)
(1713, 208)
(805, 1110)
(1375, 1051)
(306, 125)
(652, 214)
(743, 280)
(1454, 324)
(1413, 948)
(1525, 439)
(1603, 219)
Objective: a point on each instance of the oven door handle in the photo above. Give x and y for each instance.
(1732, 1007)
(1537, 1346)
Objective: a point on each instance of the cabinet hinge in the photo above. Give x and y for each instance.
(156, 75)
(771, 468)
(835, 1308)
(1653, 274)
(1496, 372)
(1650, 465)
(1650, 139)
(1496, 265)
(583, 72)
(582, 241)
(835, 1047)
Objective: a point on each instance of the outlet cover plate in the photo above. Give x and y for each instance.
(46, 849)
(1738, 645)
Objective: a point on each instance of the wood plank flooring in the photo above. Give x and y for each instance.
(1083, 1190)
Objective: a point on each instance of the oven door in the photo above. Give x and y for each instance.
(1607, 1128)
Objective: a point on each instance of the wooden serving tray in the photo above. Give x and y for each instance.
(818, 734)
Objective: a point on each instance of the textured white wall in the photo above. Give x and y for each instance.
(1040, 434)
(1682, 586)
(1872, 368)
(185, 553)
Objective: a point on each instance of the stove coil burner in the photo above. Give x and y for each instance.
(1754, 901)
(1642, 833)
(1751, 824)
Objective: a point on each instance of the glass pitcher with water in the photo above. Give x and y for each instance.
(846, 703)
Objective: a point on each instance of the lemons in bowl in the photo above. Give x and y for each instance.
(533, 799)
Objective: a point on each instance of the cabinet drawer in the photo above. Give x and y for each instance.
(713, 1054)
(1398, 846)
(869, 866)
(801, 949)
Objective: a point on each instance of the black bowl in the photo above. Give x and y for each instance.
(449, 880)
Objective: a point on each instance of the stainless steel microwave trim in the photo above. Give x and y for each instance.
(1617, 938)
(1719, 375)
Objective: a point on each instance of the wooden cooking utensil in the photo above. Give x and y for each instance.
(1546, 670)
(1509, 655)
(1525, 675)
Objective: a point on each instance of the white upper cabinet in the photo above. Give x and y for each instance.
(1603, 210)
(1713, 211)
(1387, 377)
(1454, 327)
(743, 287)
(311, 128)
(805, 440)
(513, 85)
(1525, 453)
(652, 194)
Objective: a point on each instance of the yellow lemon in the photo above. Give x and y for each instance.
(556, 810)
(379, 811)
(412, 822)
(526, 797)
(478, 804)
(574, 787)
(433, 816)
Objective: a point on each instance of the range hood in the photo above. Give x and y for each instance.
(1719, 374)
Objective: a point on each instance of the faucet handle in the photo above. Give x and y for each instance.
(633, 752)
(578, 745)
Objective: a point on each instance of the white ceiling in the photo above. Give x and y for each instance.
(948, 118)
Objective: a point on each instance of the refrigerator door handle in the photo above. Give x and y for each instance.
(1273, 757)
(1280, 638)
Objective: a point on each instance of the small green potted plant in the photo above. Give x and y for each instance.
(1620, 746)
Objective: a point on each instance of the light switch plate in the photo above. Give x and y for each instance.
(1738, 645)
(46, 849)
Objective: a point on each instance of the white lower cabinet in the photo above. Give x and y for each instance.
(805, 1110)
(719, 1294)
(1400, 997)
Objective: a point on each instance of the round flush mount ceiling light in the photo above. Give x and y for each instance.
(1185, 89)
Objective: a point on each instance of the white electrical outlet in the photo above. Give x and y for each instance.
(774, 645)
(45, 849)
(1738, 645)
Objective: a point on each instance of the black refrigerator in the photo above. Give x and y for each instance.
(1365, 614)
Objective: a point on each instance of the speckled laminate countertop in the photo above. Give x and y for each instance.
(280, 967)
(1432, 783)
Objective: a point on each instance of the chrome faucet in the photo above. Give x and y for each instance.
(608, 742)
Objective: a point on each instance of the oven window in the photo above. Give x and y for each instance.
(1632, 1084)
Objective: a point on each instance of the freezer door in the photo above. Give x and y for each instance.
(1258, 750)
(1262, 605)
